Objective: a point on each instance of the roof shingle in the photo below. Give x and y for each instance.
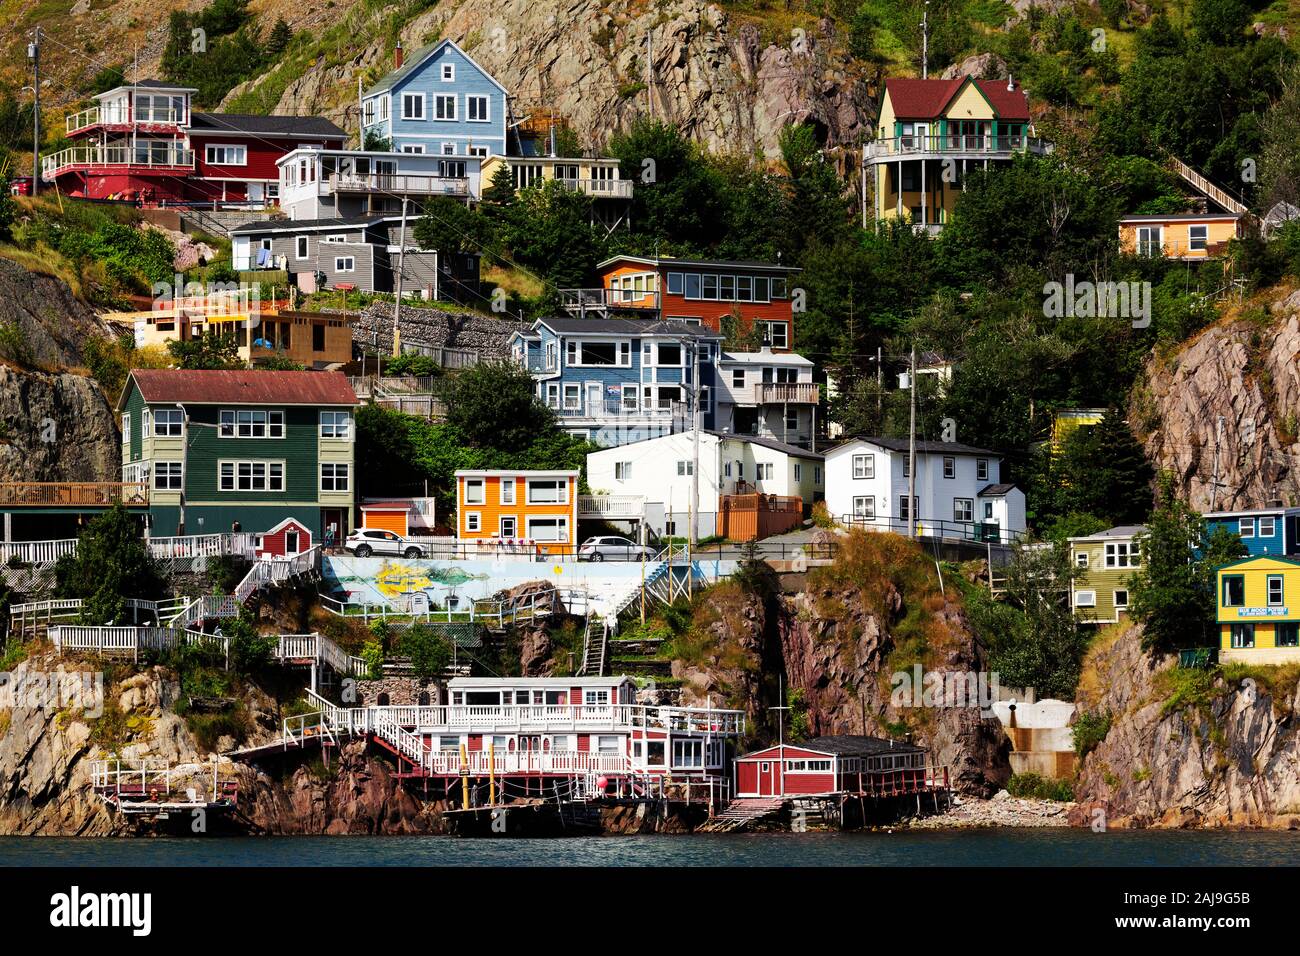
(242, 387)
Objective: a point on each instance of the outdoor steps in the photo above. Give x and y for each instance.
(741, 812)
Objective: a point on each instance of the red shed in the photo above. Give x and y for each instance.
(286, 539)
(835, 764)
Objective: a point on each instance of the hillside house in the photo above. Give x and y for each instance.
(767, 394)
(1259, 610)
(1188, 236)
(240, 450)
(1106, 563)
(1264, 531)
(959, 491)
(530, 512)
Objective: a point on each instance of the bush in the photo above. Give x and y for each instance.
(1089, 731)
(1037, 787)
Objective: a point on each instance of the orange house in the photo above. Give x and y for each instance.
(520, 509)
(1183, 236)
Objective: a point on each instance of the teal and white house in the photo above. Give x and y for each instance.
(244, 450)
(439, 102)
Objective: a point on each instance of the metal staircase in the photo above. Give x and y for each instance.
(595, 647)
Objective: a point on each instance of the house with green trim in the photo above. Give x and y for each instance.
(932, 133)
(1106, 563)
(258, 451)
(1259, 610)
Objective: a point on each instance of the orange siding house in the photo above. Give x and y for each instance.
(519, 508)
(1179, 236)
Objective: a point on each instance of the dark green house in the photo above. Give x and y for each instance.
(258, 451)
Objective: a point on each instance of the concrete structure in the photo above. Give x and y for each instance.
(1259, 611)
(1106, 562)
(958, 489)
(1042, 739)
(659, 471)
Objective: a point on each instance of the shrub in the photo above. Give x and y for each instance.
(1089, 731)
(1037, 787)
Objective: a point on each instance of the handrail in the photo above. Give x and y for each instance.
(972, 143)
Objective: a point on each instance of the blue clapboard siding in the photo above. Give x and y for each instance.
(1282, 540)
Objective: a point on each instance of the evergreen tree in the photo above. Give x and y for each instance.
(8, 209)
(111, 564)
(279, 38)
(211, 350)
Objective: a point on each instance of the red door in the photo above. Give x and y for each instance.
(767, 778)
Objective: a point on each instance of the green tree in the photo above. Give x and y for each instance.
(110, 565)
(1103, 471)
(211, 350)
(495, 405)
(448, 226)
(1221, 22)
(551, 232)
(279, 38)
(430, 655)
(817, 201)
(250, 653)
(8, 210)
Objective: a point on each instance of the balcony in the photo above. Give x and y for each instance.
(611, 507)
(613, 412)
(58, 494)
(786, 393)
(974, 146)
(582, 301)
(599, 188)
(410, 184)
(119, 117)
(144, 157)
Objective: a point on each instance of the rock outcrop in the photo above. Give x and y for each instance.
(586, 60)
(1188, 749)
(56, 427)
(44, 325)
(1245, 372)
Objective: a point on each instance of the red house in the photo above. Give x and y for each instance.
(759, 294)
(286, 539)
(143, 142)
(837, 765)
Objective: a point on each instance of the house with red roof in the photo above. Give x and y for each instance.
(253, 450)
(932, 133)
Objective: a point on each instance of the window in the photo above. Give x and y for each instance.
(226, 155)
(798, 472)
(963, 509)
(745, 288)
(1247, 526)
(864, 466)
(763, 471)
(413, 148)
(444, 106)
(1287, 634)
(1085, 598)
(1266, 527)
(250, 475)
(1275, 590)
(692, 285)
(1234, 590)
(1243, 635)
(413, 106)
(126, 428)
(548, 491)
(609, 744)
(1150, 240)
(792, 419)
(507, 491)
(300, 247)
(167, 476)
(668, 353)
(345, 264)
(1198, 238)
(168, 422)
(688, 754)
(336, 425)
(595, 698)
(475, 491)
(549, 529)
(949, 467)
(1122, 554)
(473, 521)
(622, 471)
(903, 512)
(335, 476)
(709, 287)
(318, 337)
(448, 72)
(988, 511)
(865, 507)
(776, 335)
(1081, 560)
(476, 109)
(737, 378)
(509, 526)
(573, 397)
(817, 474)
(1121, 600)
(252, 423)
(685, 467)
(981, 469)
(807, 766)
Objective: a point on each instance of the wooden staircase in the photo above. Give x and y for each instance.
(741, 812)
(1219, 197)
(595, 647)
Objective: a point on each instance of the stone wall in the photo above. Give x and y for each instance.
(401, 691)
(434, 328)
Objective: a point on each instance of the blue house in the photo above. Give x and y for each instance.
(439, 101)
(616, 381)
(1272, 531)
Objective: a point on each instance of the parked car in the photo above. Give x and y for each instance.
(612, 549)
(363, 542)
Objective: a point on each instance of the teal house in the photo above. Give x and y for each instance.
(256, 451)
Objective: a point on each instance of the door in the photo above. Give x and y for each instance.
(291, 543)
(766, 778)
(922, 136)
(594, 396)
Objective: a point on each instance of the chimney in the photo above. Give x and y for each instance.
(1011, 84)
(397, 55)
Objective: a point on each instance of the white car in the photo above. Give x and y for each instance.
(363, 542)
(612, 549)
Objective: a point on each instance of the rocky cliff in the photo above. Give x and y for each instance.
(1188, 748)
(1244, 371)
(724, 83)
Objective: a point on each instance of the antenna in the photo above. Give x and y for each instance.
(925, 41)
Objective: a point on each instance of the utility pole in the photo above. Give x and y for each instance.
(401, 263)
(34, 52)
(1218, 440)
(925, 41)
(911, 447)
(880, 389)
(697, 422)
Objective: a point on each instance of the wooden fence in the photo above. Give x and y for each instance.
(754, 517)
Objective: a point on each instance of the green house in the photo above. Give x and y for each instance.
(1106, 564)
(256, 451)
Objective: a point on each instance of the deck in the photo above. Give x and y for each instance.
(73, 494)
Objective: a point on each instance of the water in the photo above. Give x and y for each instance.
(1002, 847)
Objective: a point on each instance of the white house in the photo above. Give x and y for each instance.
(768, 394)
(959, 492)
(660, 470)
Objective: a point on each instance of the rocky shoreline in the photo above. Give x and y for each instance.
(1003, 810)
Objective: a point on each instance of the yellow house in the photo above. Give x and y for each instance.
(1259, 611)
(1069, 420)
(1187, 237)
(932, 132)
(598, 178)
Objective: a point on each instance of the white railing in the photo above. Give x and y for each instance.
(120, 115)
(112, 640)
(611, 506)
(203, 545)
(37, 552)
(170, 157)
(954, 143)
(799, 393)
(480, 762)
(269, 571)
(424, 184)
(600, 188)
(610, 716)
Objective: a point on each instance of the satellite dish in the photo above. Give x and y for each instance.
(1280, 214)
